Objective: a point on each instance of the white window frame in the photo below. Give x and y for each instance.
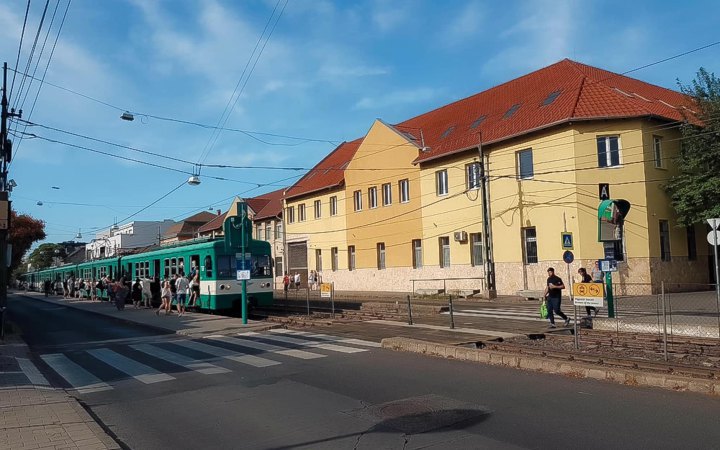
(444, 247)
(404, 188)
(301, 212)
(387, 194)
(527, 241)
(357, 201)
(317, 209)
(291, 214)
(268, 231)
(472, 175)
(441, 182)
(381, 256)
(657, 152)
(334, 261)
(518, 156)
(607, 152)
(333, 205)
(372, 197)
(351, 257)
(417, 255)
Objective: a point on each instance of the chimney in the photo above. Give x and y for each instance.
(218, 212)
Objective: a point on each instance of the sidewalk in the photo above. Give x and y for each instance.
(35, 416)
(191, 324)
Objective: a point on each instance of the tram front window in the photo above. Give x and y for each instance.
(260, 266)
(226, 266)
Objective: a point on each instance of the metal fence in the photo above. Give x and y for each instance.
(681, 314)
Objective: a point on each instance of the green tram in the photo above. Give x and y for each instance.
(217, 261)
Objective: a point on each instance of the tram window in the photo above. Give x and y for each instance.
(167, 268)
(260, 265)
(226, 266)
(173, 266)
(181, 266)
(208, 266)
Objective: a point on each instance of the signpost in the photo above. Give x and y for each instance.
(714, 239)
(588, 294)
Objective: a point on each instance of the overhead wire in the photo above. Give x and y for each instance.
(17, 60)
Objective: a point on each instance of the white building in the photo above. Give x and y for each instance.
(131, 235)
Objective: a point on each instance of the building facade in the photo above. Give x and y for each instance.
(402, 208)
(116, 240)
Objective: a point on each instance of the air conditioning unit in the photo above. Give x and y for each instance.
(461, 236)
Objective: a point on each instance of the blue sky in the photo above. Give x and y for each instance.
(327, 71)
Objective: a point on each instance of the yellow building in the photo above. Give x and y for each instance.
(409, 209)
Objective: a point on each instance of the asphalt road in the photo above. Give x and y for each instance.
(295, 391)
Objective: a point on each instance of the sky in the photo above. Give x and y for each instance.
(292, 79)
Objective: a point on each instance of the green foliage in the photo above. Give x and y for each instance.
(695, 191)
(42, 257)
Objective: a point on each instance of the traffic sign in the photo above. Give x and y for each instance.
(714, 223)
(325, 290)
(568, 256)
(713, 237)
(588, 294)
(604, 191)
(243, 275)
(567, 240)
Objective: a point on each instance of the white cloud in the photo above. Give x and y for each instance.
(388, 15)
(467, 25)
(401, 97)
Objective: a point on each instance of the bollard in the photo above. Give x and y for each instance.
(662, 294)
(307, 299)
(410, 322)
(332, 299)
(452, 319)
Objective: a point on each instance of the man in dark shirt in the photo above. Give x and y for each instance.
(553, 294)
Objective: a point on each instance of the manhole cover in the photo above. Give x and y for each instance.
(425, 413)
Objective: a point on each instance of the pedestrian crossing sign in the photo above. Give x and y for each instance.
(567, 240)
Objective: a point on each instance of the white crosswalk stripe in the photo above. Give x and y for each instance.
(86, 375)
(79, 378)
(222, 352)
(180, 360)
(328, 338)
(302, 354)
(305, 343)
(139, 371)
(31, 372)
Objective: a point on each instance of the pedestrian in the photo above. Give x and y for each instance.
(286, 283)
(46, 287)
(120, 291)
(296, 279)
(136, 293)
(553, 293)
(146, 292)
(110, 286)
(173, 291)
(65, 288)
(586, 278)
(182, 285)
(195, 290)
(99, 288)
(155, 291)
(165, 298)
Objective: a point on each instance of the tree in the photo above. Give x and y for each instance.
(695, 191)
(24, 231)
(43, 256)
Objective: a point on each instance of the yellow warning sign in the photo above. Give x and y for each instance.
(588, 294)
(325, 290)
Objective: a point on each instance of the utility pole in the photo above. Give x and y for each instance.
(487, 225)
(6, 154)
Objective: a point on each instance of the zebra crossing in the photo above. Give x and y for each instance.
(96, 369)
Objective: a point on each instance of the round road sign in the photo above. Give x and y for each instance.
(568, 256)
(713, 237)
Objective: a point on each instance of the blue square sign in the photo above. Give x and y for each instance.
(567, 240)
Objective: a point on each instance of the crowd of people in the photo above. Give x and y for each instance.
(178, 290)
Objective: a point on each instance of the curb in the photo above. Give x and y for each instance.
(154, 327)
(630, 377)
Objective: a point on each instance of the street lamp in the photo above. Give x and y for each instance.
(127, 115)
(78, 236)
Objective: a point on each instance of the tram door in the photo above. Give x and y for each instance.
(156, 267)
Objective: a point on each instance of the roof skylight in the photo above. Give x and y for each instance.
(513, 109)
(551, 98)
(477, 122)
(446, 132)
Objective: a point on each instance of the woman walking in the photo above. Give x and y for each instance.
(121, 294)
(137, 293)
(165, 296)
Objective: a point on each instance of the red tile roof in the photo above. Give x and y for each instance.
(585, 93)
(189, 226)
(271, 205)
(328, 173)
(214, 224)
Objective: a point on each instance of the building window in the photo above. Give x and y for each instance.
(404, 188)
(476, 249)
(657, 152)
(608, 151)
(333, 205)
(664, 241)
(417, 253)
(357, 200)
(278, 265)
(692, 245)
(316, 209)
(278, 230)
(291, 214)
(525, 164)
(444, 247)
(301, 212)
(441, 182)
(318, 260)
(351, 257)
(472, 175)
(387, 194)
(268, 230)
(530, 255)
(381, 256)
(372, 197)
(334, 258)
(259, 232)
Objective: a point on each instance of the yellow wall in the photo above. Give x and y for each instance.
(385, 156)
